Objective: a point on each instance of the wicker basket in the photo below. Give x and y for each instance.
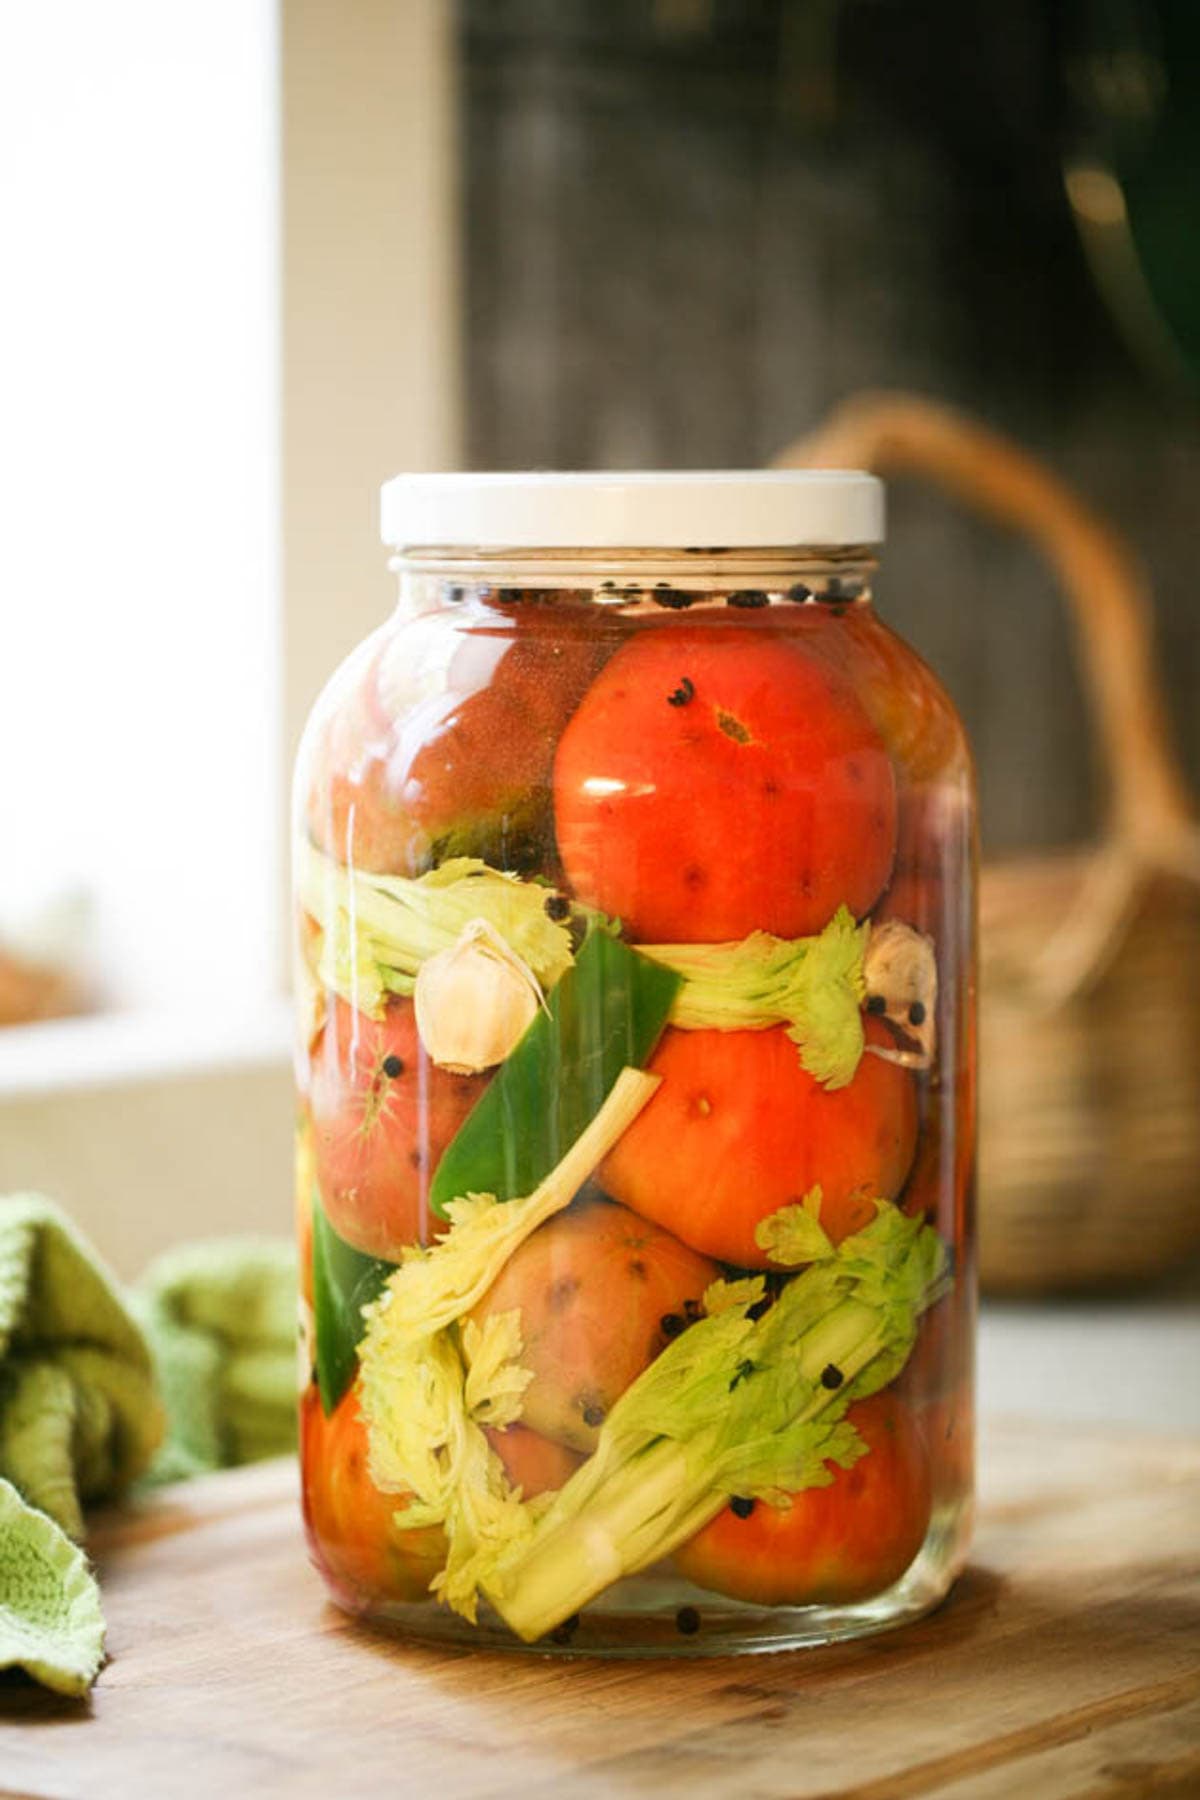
(1089, 1148)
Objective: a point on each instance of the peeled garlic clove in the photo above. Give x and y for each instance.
(474, 1001)
(900, 971)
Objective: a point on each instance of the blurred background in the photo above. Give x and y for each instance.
(258, 257)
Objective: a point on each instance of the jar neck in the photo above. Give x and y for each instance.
(638, 580)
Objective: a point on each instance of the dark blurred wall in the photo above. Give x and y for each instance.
(693, 225)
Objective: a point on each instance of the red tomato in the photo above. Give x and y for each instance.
(445, 746)
(593, 1287)
(832, 1545)
(532, 1462)
(904, 698)
(738, 1129)
(351, 1524)
(382, 1115)
(718, 781)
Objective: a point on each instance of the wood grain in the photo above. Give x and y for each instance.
(1067, 1662)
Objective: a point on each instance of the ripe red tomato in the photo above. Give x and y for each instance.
(717, 781)
(738, 1129)
(351, 1524)
(382, 1115)
(833, 1545)
(901, 694)
(443, 745)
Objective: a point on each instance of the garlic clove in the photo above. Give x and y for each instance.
(475, 1001)
(900, 972)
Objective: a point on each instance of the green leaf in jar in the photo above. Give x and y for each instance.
(344, 1281)
(605, 1015)
(794, 1234)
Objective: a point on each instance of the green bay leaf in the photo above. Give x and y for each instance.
(344, 1281)
(606, 1014)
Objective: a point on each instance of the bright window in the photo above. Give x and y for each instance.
(139, 631)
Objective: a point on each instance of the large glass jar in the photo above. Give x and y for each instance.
(634, 908)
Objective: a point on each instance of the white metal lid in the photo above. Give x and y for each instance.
(671, 509)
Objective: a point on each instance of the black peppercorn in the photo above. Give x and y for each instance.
(392, 1067)
(838, 590)
(831, 1376)
(682, 694)
(916, 1013)
(687, 1621)
(799, 592)
(747, 597)
(876, 1003)
(674, 598)
(741, 1506)
(671, 1324)
(556, 907)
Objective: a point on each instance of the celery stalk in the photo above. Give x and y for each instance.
(431, 1380)
(814, 985)
(733, 1406)
(377, 930)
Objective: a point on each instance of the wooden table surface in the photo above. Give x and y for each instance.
(1067, 1662)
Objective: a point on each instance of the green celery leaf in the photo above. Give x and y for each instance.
(815, 985)
(605, 1015)
(794, 1234)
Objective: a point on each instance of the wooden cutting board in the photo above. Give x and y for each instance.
(1067, 1662)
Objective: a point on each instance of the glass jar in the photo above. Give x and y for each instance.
(635, 967)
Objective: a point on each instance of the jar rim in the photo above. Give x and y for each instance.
(684, 509)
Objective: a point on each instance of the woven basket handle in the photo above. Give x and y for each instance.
(1151, 824)
(898, 434)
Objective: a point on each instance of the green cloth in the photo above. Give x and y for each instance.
(85, 1371)
(221, 1317)
(50, 1620)
(79, 1413)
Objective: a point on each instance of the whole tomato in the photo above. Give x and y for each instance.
(599, 1290)
(382, 1114)
(444, 743)
(904, 698)
(832, 1545)
(352, 1526)
(738, 1129)
(716, 781)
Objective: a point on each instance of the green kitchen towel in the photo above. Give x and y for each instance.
(50, 1620)
(79, 1414)
(221, 1316)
